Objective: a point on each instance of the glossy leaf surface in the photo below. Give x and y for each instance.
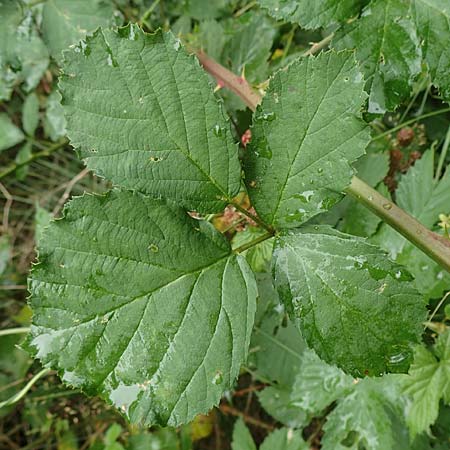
(433, 25)
(388, 50)
(123, 309)
(357, 308)
(142, 114)
(306, 133)
(311, 14)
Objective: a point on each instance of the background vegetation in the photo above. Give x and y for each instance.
(283, 384)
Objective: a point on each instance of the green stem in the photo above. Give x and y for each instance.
(9, 331)
(316, 47)
(443, 156)
(409, 122)
(149, 11)
(19, 395)
(44, 153)
(251, 244)
(435, 246)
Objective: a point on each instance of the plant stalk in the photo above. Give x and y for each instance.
(435, 246)
(9, 331)
(228, 79)
(251, 244)
(44, 153)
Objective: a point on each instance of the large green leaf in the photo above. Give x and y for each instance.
(134, 300)
(370, 417)
(312, 14)
(433, 25)
(65, 22)
(142, 113)
(357, 308)
(23, 55)
(387, 47)
(305, 135)
(429, 381)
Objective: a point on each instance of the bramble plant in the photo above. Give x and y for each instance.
(138, 298)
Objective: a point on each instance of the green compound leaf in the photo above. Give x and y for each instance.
(142, 114)
(305, 136)
(357, 309)
(429, 381)
(433, 24)
(123, 308)
(311, 14)
(387, 47)
(65, 22)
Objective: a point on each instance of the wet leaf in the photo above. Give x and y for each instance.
(387, 46)
(305, 136)
(120, 310)
(357, 309)
(316, 14)
(137, 106)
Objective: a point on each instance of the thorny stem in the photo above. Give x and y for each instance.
(435, 246)
(228, 79)
(44, 153)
